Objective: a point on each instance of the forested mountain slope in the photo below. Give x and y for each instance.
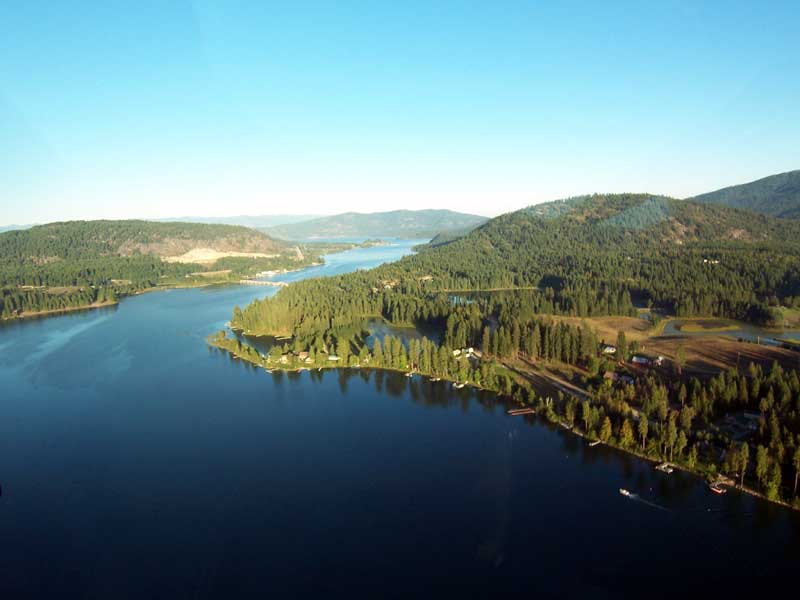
(776, 195)
(407, 224)
(494, 290)
(88, 239)
(587, 256)
(80, 263)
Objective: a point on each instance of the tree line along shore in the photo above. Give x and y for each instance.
(523, 289)
(707, 426)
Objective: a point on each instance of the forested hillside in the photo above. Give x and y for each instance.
(80, 263)
(495, 289)
(587, 256)
(407, 224)
(92, 239)
(776, 195)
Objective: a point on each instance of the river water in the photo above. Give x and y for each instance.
(136, 462)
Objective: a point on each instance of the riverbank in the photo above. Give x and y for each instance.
(59, 311)
(205, 283)
(543, 407)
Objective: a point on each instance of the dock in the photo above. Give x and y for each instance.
(514, 412)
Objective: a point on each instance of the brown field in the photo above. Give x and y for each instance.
(607, 327)
(207, 256)
(705, 353)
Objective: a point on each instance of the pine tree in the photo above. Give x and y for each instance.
(643, 427)
(744, 460)
(762, 465)
(605, 429)
(626, 434)
(622, 346)
(680, 443)
(486, 342)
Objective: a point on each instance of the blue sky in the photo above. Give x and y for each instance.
(158, 109)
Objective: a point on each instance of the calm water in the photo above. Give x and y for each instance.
(135, 462)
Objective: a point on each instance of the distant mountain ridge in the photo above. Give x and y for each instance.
(85, 239)
(398, 223)
(776, 195)
(253, 221)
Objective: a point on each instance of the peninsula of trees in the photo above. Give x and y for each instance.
(521, 292)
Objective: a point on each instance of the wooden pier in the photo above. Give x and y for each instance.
(521, 411)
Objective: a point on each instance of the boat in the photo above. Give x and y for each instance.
(409, 374)
(595, 443)
(665, 468)
(717, 488)
(458, 386)
(625, 493)
(436, 378)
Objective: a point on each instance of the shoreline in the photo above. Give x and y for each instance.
(155, 288)
(58, 311)
(727, 326)
(699, 473)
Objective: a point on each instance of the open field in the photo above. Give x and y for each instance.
(635, 329)
(713, 353)
(207, 256)
(790, 317)
(707, 326)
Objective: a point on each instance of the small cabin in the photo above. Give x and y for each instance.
(608, 349)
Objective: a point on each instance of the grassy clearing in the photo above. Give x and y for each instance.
(789, 317)
(707, 326)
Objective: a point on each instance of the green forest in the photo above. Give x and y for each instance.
(590, 256)
(499, 288)
(83, 263)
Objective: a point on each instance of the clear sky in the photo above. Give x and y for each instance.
(167, 108)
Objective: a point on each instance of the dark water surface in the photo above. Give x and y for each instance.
(135, 462)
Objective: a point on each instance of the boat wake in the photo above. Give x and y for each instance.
(638, 498)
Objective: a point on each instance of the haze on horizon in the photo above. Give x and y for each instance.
(156, 110)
